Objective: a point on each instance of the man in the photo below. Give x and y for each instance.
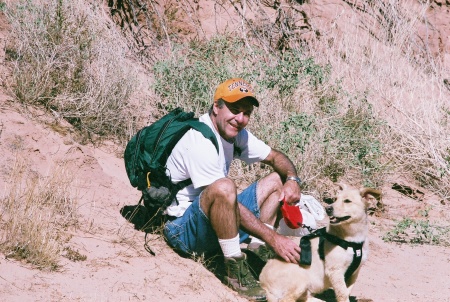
(210, 215)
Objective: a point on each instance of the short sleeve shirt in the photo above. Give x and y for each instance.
(195, 157)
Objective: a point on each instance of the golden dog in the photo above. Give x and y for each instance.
(336, 255)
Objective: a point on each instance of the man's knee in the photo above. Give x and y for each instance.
(273, 181)
(222, 190)
(268, 192)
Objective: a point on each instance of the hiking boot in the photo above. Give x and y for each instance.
(262, 251)
(241, 279)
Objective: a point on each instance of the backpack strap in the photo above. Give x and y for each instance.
(182, 184)
(189, 123)
(205, 130)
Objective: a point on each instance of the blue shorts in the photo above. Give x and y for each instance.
(193, 233)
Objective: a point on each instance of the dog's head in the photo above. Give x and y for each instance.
(350, 204)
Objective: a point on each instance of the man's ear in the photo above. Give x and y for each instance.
(215, 108)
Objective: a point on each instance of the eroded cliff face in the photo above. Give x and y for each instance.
(420, 26)
(117, 267)
(425, 25)
(435, 32)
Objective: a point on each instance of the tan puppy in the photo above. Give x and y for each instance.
(344, 248)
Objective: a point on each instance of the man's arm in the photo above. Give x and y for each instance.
(285, 168)
(283, 246)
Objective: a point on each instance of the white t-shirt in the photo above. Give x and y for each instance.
(195, 157)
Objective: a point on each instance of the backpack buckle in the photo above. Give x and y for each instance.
(149, 184)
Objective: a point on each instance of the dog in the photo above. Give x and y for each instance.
(337, 253)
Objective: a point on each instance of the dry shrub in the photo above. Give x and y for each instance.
(403, 83)
(149, 24)
(378, 62)
(303, 113)
(68, 57)
(358, 97)
(35, 214)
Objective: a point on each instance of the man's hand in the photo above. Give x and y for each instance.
(286, 248)
(291, 192)
(286, 169)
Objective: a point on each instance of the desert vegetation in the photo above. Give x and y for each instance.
(68, 60)
(37, 213)
(366, 103)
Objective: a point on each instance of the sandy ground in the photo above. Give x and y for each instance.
(118, 268)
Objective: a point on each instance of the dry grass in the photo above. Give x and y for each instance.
(402, 82)
(362, 102)
(68, 57)
(379, 67)
(36, 212)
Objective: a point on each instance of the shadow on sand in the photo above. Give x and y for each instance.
(142, 220)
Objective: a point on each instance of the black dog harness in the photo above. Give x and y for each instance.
(306, 255)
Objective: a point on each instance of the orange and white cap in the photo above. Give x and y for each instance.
(235, 89)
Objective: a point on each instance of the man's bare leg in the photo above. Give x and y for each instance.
(268, 192)
(219, 203)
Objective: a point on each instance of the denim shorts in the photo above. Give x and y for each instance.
(193, 233)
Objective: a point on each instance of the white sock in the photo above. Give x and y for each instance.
(270, 226)
(230, 247)
(257, 240)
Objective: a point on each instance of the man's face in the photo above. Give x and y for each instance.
(232, 117)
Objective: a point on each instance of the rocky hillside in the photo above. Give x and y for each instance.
(104, 258)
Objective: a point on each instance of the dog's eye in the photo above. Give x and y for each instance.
(328, 200)
(347, 201)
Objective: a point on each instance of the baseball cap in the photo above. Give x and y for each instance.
(235, 89)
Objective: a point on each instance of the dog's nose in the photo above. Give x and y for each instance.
(329, 210)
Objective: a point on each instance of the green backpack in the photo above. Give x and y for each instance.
(147, 152)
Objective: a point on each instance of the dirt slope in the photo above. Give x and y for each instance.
(118, 268)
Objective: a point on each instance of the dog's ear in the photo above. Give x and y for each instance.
(371, 197)
(370, 192)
